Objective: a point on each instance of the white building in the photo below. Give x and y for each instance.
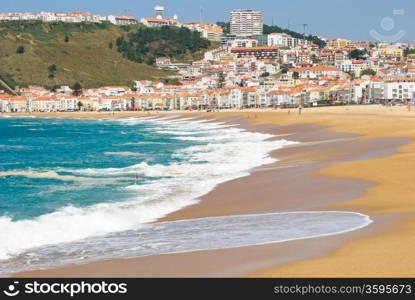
(315, 72)
(400, 89)
(246, 42)
(285, 40)
(246, 22)
(155, 22)
(122, 20)
(211, 32)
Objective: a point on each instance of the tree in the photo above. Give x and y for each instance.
(110, 45)
(66, 40)
(265, 74)
(408, 51)
(226, 27)
(55, 88)
(77, 89)
(358, 54)
(20, 50)
(52, 71)
(368, 72)
(80, 105)
(146, 43)
(52, 68)
(221, 80)
(296, 75)
(150, 60)
(284, 70)
(133, 104)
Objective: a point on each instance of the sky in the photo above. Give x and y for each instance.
(368, 20)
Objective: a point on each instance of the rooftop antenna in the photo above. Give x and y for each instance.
(288, 23)
(201, 14)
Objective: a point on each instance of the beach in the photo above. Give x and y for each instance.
(350, 158)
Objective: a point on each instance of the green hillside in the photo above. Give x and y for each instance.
(49, 54)
(178, 43)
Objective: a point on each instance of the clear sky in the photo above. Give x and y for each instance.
(351, 19)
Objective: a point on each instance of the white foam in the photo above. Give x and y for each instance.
(175, 186)
(45, 175)
(197, 234)
(124, 153)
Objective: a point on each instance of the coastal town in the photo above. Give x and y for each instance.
(248, 69)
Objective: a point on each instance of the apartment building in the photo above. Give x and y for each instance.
(315, 72)
(258, 52)
(211, 32)
(246, 22)
(400, 89)
(285, 40)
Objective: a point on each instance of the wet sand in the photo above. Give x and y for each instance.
(351, 158)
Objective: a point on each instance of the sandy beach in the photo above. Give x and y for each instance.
(351, 158)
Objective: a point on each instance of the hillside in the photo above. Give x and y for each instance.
(178, 43)
(49, 54)
(276, 29)
(315, 39)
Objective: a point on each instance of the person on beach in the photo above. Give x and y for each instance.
(300, 108)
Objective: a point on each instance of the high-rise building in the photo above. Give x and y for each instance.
(246, 22)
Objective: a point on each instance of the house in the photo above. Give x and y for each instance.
(122, 20)
(17, 104)
(315, 72)
(45, 104)
(184, 101)
(156, 22)
(162, 61)
(69, 103)
(211, 32)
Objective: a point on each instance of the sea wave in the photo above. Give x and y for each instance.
(184, 236)
(44, 175)
(125, 153)
(165, 188)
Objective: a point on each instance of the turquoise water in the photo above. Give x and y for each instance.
(41, 145)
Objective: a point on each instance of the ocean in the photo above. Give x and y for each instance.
(78, 190)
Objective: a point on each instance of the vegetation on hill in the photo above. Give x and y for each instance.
(226, 27)
(276, 29)
(408, 51)
(50, 54)
(178, 43)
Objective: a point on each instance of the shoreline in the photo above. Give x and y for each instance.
(327, 147)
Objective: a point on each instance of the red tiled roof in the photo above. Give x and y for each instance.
(255, 48)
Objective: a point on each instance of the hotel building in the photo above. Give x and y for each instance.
(246, 22)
